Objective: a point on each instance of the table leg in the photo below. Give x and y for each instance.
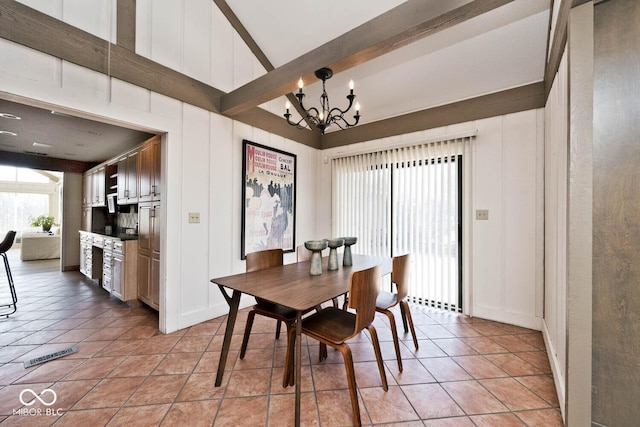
(298, 365)
(234, 302)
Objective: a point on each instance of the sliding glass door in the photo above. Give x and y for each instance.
(407, 200)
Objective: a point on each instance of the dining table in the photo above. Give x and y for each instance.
(292, 286)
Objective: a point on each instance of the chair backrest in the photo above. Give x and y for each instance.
(364, 287)
(263, 259)
(302, 253)
(8, 241)
(400, 275)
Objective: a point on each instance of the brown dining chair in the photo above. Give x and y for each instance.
(387, 300)
(333, 326)
(5, 245)
(257, 261)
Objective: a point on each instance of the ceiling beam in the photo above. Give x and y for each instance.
(258, 53)
(557, 45)
(495, 104)
(396, 28)
(31, 161)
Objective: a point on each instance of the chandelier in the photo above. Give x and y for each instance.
(325, 116)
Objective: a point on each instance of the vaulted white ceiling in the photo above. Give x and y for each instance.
(498, 50)
(492, 52)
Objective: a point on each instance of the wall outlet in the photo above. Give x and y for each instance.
(482, 214)
(194, 217)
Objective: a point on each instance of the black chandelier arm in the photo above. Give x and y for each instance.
(341, 121)
(296, 124)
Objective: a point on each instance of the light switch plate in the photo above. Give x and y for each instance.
(482, 214)
(194, 217)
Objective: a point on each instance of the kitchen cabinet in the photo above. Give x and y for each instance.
(87, 189)
(127, 181)
(93, 187)
(90, 259)
(149, 223)
(150, 169)
(119, 268)
(98, 178)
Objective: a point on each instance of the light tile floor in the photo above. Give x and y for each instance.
(467, 371)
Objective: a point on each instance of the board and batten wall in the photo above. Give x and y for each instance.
(506, 267)
(202, 150)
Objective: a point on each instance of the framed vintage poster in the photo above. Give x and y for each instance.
(269, 199)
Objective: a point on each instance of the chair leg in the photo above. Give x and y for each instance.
(376, 348)
(12, 289)
(247, 333)
(278, 327)
(394, 333)
(351, 380)
(322, 352)
(406, 317)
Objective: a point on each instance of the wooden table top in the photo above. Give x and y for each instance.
(291, 285)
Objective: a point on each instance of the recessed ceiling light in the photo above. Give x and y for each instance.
(10, 116)
(6, 132)
(41, 145)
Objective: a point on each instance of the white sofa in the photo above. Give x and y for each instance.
(38, 245)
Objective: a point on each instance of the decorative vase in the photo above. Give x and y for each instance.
(334, 244)
(347, 260)
(316, 247)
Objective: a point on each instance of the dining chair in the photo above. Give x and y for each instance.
(333, 326)
(387, 300)
(5, 245)
(256, 261)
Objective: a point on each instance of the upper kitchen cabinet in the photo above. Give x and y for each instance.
(150, 168)
(128, 178)
(94, 184)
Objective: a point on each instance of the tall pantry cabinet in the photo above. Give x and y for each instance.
(149, 222)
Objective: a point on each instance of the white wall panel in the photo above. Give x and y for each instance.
(97, 17)
(143, 27)
(84, 83)
(43, 70)
(50, 7)
(221, 51)
(197, 39)
(195, 183)
(167, 31)
(243, 62)
(555, 269)
(489, 239)
(126, 94)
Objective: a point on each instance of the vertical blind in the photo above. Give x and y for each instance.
(408, 200)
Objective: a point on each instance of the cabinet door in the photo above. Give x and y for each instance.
(146, 173)
(157, 170)
(98, 179)
(132, 177)
(87, 189)
(86, 219)
(122, 180)
(117, 275)
(154, 287)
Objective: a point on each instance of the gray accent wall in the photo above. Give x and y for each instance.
(616, 214)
